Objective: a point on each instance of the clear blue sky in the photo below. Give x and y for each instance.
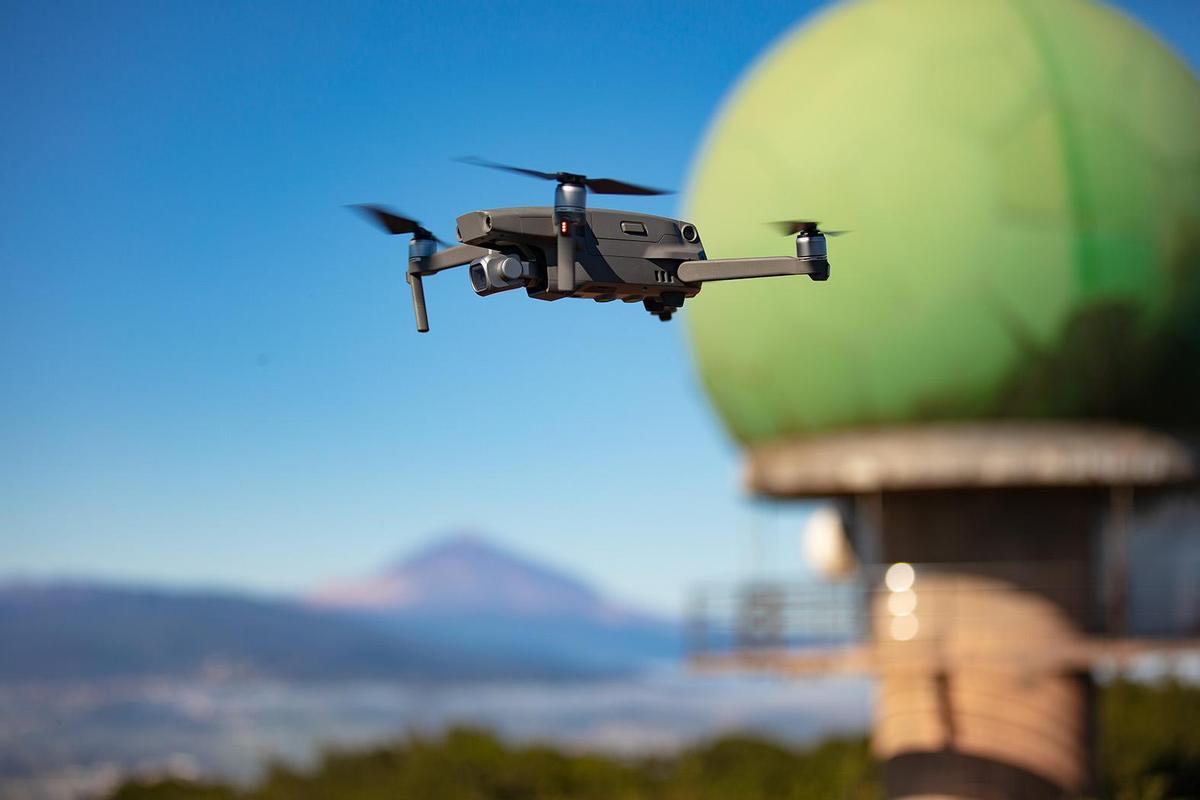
(208, 369)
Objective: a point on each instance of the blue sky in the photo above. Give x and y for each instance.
(208, 369)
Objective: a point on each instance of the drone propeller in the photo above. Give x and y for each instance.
(791, 227)
(394, 223)
(570, 204)
(423, 245)
(597, 185)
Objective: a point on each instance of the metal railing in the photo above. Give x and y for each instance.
(950, 611)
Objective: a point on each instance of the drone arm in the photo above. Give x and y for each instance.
(457, 256)
(730, 269)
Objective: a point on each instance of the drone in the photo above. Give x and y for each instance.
(570, 250)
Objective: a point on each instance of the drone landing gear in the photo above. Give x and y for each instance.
(665, 305)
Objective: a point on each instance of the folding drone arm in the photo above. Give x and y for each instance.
(730, 269)
(457, 256)
(421, 264)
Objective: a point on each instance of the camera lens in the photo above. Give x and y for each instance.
(479, 281)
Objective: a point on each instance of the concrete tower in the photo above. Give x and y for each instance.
(1000, 382)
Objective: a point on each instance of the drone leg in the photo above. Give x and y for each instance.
(418, 298)
(566, 263)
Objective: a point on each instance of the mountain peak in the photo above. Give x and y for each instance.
(465, 544)
(467, 573)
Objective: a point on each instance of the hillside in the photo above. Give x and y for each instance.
(462, 609)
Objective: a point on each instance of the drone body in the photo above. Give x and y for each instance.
(612, 255)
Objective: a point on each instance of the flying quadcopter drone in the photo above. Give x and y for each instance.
(609, 255)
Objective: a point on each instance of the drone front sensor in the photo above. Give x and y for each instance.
(570, 250)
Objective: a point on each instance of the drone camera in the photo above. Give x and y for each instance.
(497, 272)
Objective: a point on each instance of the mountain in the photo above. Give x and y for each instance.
(82, 630)
(462, 610)
(468, 574)
(79, 631)
(468, 594)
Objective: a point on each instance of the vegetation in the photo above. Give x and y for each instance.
(1149, 749)
(474, 765)
(1149, 746)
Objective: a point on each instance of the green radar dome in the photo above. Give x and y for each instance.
(1022, 182)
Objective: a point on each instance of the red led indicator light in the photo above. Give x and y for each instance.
(564, 226)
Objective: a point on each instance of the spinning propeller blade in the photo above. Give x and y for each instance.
(610, 186)
(597, 185)
(394, 223)
(476, 161)
(791, 227)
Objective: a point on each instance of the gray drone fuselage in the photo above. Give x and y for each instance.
(619, 255)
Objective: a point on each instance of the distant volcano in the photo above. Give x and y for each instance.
(468, 595)
(467, 574)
